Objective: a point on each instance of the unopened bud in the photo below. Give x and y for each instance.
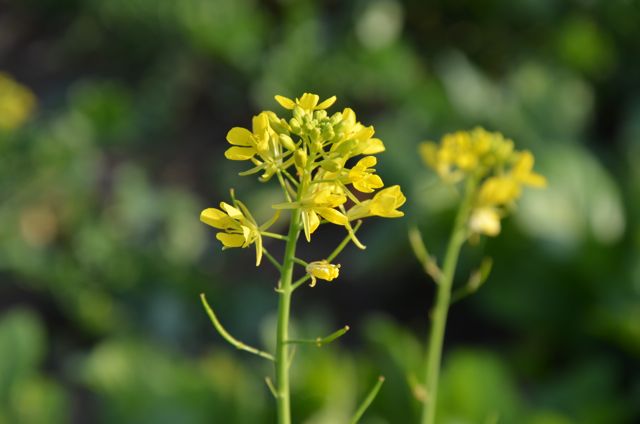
(287, 142)
(331, 165)
(300, 158)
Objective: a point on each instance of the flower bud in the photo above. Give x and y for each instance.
(298, 113)
(322, 270)
(300, 158)
(331, 165)
(295, 125)
(320, 114)
(287, 142)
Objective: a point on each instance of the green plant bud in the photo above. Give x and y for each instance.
(300, 158)
(317, 145)
(347, 146)
(287, 142)
(320, 114)
(298, 113)
(295, 126)
(315, 134)
(331, 165)
(327, 132)
(336, 118)
(309, 126)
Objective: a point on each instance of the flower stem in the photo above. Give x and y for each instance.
(441, 307)
(283, 397)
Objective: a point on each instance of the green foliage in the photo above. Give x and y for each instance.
(100, 194)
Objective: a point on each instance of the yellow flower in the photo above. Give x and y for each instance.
(485, 220)
(16, 103)
(384, 203)
(322, 270)
(320, 202)
(308, 102)
(522, 171)
(498, 191)
(263, 142)
(240, 229)
(362, 176)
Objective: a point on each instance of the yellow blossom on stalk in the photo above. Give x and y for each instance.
(485, 220)
(490, 160)
(322, 270)
(384, 204)
(239, 227)
(16, 103)
(307, 102)
(321, 202)
(262, 142)
(362, 176)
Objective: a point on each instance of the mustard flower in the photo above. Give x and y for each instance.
(307, 101)
(489, 159)
(322, 270)
(262, 142)
(385, 204)
(307, 153)
(17, 103)
(239, 227)
(362, 175)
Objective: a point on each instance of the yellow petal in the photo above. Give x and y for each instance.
(215, 217)
(367, 162)
(373, 146)
(332, 215)
(230, 240)
(231, 211)
(285, 102)
(323, 270)
(260, 124)
(240, 153)
(327, 103)
(364, 134)
(368, 184)
(308, 101)
(314, 222)
(239, 136)
(485, 221)
(362, 210)
(535, 180)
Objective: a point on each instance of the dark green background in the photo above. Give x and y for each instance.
(100, 319)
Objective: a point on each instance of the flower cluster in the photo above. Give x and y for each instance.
(17, 103)
(497, 170)
(314, 157)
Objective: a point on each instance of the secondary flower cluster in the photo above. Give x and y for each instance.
(498, 171)
(314, 156)
(17, 103)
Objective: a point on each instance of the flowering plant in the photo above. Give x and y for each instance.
(310, 155)
(493, 174)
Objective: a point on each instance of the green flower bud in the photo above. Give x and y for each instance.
(320, 114)
(300, 158)
(331, 165)
(287, 142)
(298, 113)
(295, 125)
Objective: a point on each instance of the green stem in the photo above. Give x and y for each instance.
(441, 308)
(283, 397)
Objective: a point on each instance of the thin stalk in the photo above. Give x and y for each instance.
(441, 308)
(283, 398)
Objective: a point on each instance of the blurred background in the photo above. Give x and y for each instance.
(113, 116)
